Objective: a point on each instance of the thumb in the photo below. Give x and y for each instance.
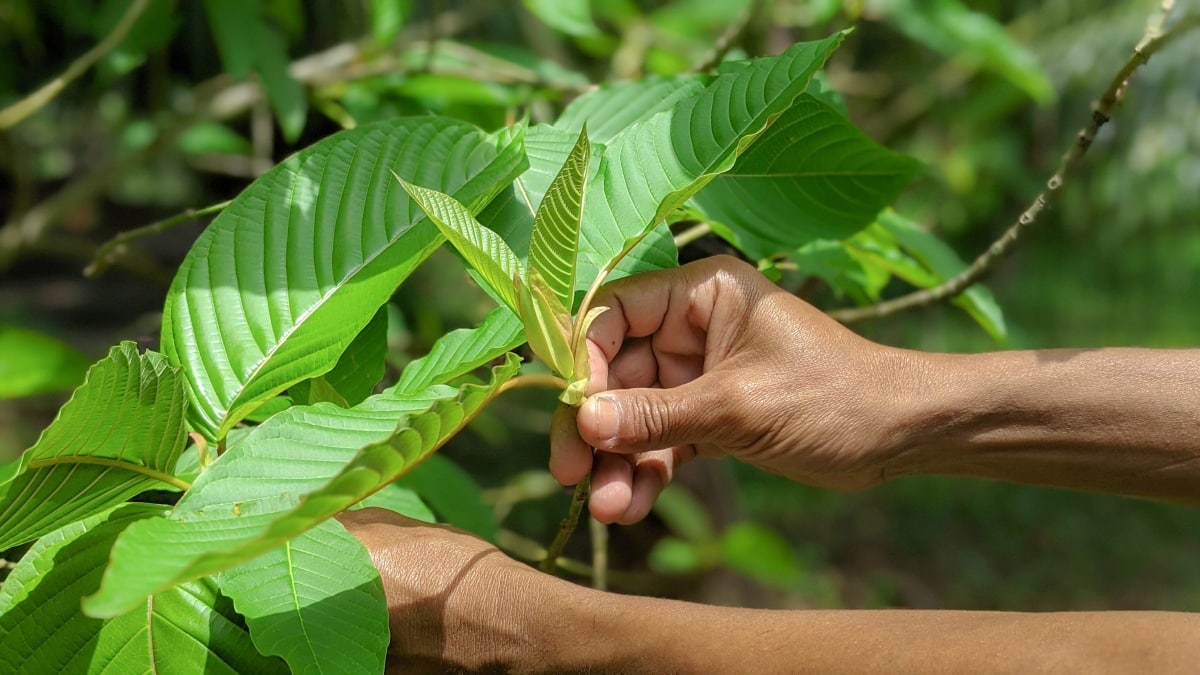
(637, 420)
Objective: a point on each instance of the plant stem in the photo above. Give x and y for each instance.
(115, 464)
(1102, 110)
(599, 532)
(109, 251)
(693, 233)
(533, 380)
(17, 112)
(586, 305)
(568, 525)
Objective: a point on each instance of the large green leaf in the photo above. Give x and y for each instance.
(658, 164)
(317, 601)
(285, 278)
(360, 368)
(483, 249)
(812, 175)
(554, 244)
(35, 363)
(120, 434)
(611, 109)
(188, 629)
(234, 518)
(461, 351)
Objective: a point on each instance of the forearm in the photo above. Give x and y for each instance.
(1122, 421)
(636, 635)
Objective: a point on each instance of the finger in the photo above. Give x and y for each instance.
(570, 456)
(612, 487)
(636, 420)
(652, 473)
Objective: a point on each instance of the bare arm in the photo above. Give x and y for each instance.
(712, 359)
(457, 603)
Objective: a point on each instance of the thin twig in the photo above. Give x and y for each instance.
(1102, 110)
(17, 112)
(599, 532)
(693, 233)
(108, 252)
(732, 35)
(568, 525)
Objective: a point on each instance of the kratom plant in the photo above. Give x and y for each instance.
(265, 414)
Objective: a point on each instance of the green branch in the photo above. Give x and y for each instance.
(17, 112)
(1152, 41)
(568, 525)
(110, 251)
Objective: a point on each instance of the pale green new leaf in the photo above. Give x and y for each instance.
(461, 351)
(548, 324)
(554, 244)
(483, 249)
(186, 629)
(293, 270)
(657, 165)
(812, 175)
(256, 502)
(120, 434)
(317, 602)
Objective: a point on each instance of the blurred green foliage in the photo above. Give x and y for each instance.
(987, 94)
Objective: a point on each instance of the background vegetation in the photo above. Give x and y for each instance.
(987, 94)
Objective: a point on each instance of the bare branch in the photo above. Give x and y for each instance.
(108, 252)
(1152, 41)
(17, 112)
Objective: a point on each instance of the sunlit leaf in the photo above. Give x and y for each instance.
(189, 628)
(252, 505)
(554, 244)
(573, 17)
(453, 495)
(759, 553)
(120, 434)
(317, 602)
(461, 351)
(293, 270)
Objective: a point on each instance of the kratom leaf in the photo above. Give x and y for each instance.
(548, 324)
(316, 390)
(244, 511)
(658, 164)
(34, 363)
(554, 244)
(362, 365)
(293, 270)
(483, 249)
(944, 263)
(576, 389)
(317, 602)
(120, 434)
(612, 108)
(812, 175)
(400, 499)
(186, 629)
(461, 351)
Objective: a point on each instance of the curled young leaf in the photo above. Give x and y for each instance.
(576, 390)
(548, 324)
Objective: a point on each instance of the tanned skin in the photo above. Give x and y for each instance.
(711, 359)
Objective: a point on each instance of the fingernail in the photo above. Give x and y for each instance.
(604, 408)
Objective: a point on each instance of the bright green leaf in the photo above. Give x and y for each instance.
(483, 249)
(461, 351)
(399, 499)
(573, 17)
(759, 553)
(120, 434)
(253, 504)
(189, 628)
(363, 364)
(317, 602)
(291, 272)
(554, 244)
(548, 325)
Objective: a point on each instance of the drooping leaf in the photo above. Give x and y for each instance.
(461, 351)
(812, 175)
(483, 249)
(453, 495)
(944, 263)
(34, 363)
(120, 434)
(657, 165)
(316, 390)
(231, 518)
(286, 277)
(573, 17)
(554, 244)
(186, 629)
(317, 602)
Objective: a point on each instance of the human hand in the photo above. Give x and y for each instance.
(712, 359)
(455, 602)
